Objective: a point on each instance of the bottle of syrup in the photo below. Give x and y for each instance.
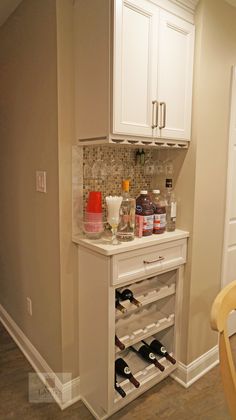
(159, 205)
(145, 212)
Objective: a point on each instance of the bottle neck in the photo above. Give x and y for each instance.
(125, 193)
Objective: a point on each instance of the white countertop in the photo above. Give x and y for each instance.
(103, 247)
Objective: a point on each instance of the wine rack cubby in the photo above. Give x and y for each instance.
(150, 290)
(145, 321)
(152, 310)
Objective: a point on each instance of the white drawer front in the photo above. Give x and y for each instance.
(148, 261)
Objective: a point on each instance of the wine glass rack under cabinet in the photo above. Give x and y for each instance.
(130, 317)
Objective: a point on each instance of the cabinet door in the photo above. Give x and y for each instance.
(175, 69)
(135, 66)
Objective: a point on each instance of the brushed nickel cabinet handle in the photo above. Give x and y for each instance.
(163, 115)
(154, 261)
(154, 114)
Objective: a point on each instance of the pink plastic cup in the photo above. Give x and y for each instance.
(92, 217)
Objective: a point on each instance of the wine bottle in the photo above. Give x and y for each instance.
(157, 347)
(118, 343)
(118, 305)
(127, 294)
(119, 389)
(145, 352)
(123, 369)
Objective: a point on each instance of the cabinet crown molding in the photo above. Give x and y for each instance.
(189, 5)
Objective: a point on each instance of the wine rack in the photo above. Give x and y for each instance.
(158, 290)
(145, 322)
(156, 314)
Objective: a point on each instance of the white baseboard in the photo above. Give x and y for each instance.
(186, 375)
(65, 394)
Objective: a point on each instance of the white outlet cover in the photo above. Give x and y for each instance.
(41, 181)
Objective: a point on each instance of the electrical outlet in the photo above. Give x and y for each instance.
(41, 181)
(29, 306)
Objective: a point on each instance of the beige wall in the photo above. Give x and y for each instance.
(29, 245)
(202, 181)
(66, 137)
(38, 258)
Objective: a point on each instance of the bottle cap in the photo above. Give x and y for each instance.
(156, 191)
(143, 192)
(125, 185)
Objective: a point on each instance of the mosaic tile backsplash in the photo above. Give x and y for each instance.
(102, 168)
(105, 167)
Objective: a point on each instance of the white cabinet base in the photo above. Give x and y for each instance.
(159, 316)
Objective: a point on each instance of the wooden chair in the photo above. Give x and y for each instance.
(224, 303)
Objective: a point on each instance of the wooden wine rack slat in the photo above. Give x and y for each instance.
(144, 372)
(151, 296)
(151, 329)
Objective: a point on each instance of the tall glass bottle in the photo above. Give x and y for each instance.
(170, 206)
(127, 215)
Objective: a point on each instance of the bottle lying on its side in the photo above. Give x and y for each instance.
(122, 369)
(146, 354)
(157, 347)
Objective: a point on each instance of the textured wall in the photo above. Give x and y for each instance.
(29, 228)
(201, 184)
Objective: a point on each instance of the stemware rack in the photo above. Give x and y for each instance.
(137, 142)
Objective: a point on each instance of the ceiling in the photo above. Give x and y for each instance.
(6, 8)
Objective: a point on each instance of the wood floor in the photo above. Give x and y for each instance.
(168, 400)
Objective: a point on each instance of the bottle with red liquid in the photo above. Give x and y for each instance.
(145, 212)
(159, 205)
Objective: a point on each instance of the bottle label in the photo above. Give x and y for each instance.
(147, 223)
(139, 208)
(173, 210)
(126, 370)
(159, 221)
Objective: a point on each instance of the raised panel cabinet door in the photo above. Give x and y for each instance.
(135, 67)
(175, 73)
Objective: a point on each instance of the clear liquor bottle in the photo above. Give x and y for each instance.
(170, 207)
(126, 226)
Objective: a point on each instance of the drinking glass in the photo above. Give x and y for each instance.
(113, 215)
(88, 170)
(99, 168)
(117, 167)
(169, 166)
(149, 164)
(159, 168)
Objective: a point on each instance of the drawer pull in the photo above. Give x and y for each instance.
(154, 261)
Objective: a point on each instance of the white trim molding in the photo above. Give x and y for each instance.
(186, 375)
(65, 394)
(187, 4)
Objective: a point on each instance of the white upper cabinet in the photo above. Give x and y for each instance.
(135, 66)
(175, 70)
(152, 71)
